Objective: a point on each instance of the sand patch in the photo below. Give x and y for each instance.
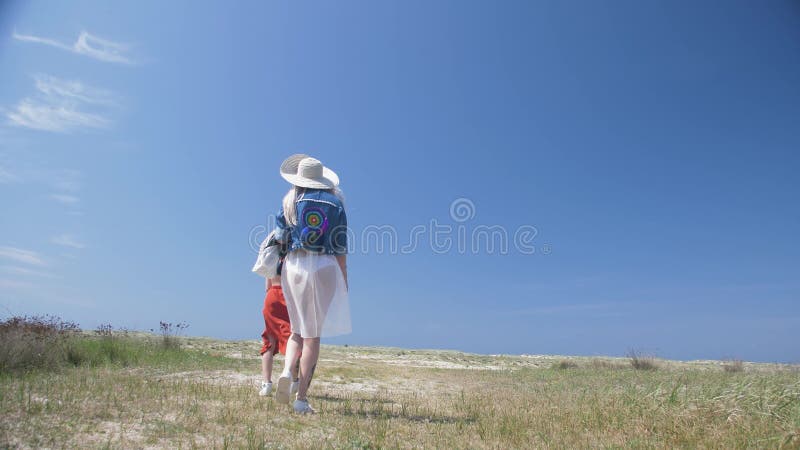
(216, 377)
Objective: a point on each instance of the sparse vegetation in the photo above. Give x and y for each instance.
(565, 364)
(603, 364)
(733, 366)
(34, 342)
(204, 394)
(47, 343)
(642, 361)
(170, 333)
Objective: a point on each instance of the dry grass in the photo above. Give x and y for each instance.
(565, 364)
(733, 366)
(642, 361)
(35, 342)
(379, 397)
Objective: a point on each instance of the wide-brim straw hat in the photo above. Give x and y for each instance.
(305, 171)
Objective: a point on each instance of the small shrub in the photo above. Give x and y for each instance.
(34, 342)
(733, 366)
(75, 355)
(642, 361)
(110, 346)
(104, 330)
(170, 334)
(565, 364)
(107, 346)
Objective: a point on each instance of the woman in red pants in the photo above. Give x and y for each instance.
(276, 329)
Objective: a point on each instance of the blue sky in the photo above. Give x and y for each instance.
(652, 145)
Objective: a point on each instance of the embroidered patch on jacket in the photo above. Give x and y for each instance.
(314, 225)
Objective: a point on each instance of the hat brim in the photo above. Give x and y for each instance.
(329, 179)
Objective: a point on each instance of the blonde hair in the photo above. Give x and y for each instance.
(294, 194)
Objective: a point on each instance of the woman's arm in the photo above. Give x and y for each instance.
(268, 284)
(342, 260)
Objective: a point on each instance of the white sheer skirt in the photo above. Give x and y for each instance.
(316, 294)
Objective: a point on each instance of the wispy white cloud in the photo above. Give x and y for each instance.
(25, 271)
(41, 40)
(21, 256)
(67, 240)
(65, 180)
(21, 167)
(6, 283)
(87, 45)
(70, 89)
(102, 49)
(59, 106)
(7, 176)
(54, 117)
(65, 199)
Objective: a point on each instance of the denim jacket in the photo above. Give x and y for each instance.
(321, 224)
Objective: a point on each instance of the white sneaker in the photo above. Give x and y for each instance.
(295, 386)
(282, 393)
(266, 388)
(302, 407)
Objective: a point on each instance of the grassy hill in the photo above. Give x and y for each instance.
(136, 390)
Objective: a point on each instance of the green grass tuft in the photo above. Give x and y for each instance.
(565, 364)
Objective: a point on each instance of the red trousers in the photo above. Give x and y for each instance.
(276, 321)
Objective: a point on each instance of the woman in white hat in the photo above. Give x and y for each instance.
(314, 222)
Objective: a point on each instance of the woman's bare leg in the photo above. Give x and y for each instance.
(266, 360)
(293, 346)
(324, 290)
(264, 365)
(296, 371)
(308, 362)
